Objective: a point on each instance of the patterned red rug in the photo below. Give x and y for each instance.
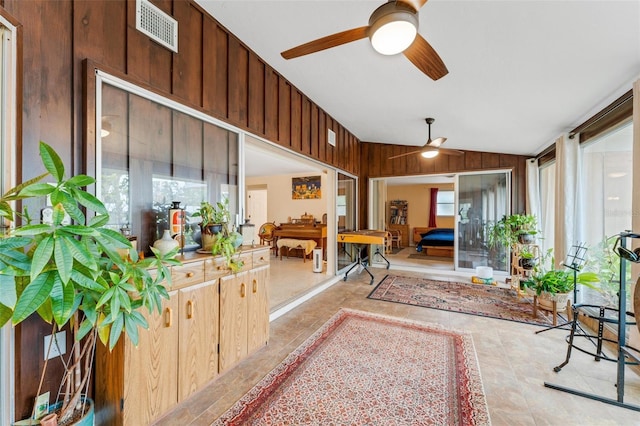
(474, 299)
(366, 369)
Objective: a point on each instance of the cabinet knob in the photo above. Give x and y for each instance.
(190, 274)
(255, 286)
(168, 313)
(243, 290)
(190, 309)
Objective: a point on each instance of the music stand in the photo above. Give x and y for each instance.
(575, 260)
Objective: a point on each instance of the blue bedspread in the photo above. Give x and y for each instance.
(439, 237)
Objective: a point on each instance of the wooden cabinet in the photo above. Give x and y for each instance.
(198, 347)
(211, 321)
(244, 315)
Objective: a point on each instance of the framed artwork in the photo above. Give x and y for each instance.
(306, 188)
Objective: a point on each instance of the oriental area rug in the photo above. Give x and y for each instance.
(366, 369)
(474, 299)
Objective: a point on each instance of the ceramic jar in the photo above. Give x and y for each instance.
(165, 244)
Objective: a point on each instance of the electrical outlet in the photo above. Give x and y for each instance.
(58, 347)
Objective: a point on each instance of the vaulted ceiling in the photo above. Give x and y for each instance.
(520, 72)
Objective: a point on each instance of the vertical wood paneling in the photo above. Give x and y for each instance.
(305, 127)
(284, 112)
(472, 160)
(238, 82)
(271, 104)
(215, 72)
(147, 61)
(490, 160)
(187, 64)
(296, 120)
(315, 136)
(322, 135)
(256, 94)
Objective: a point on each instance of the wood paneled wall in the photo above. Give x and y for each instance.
(375, 163)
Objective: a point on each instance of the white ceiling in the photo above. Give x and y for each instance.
(520, 72)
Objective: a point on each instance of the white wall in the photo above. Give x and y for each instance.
(281, 206)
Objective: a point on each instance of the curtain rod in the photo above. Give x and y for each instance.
(603, 113)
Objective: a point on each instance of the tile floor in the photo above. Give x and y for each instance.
(514, 362)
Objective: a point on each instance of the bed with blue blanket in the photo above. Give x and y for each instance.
(434, 241)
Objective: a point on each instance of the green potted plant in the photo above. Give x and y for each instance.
(512, 229)
(214, 218)
(527, 258)
(72, 274)
(551, 284)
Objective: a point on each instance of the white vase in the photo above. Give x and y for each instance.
(165, 244)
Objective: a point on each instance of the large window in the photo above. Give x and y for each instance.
(8, 112)
(606, 193)
(445, 203)
(153, 152)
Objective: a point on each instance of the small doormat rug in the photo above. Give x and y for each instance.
(366, 369)
(474, 299)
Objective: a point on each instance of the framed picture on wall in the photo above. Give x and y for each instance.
(306, 188)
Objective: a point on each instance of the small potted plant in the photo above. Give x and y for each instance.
(214, 217)
(72, 273)
(527, 259)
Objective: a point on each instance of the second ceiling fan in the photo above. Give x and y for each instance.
(432, 148)
(392, 29)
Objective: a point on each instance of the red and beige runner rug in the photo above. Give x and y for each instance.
(475, 299)
(365, 369)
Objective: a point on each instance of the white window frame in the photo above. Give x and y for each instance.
(8, 143)
(439, 211)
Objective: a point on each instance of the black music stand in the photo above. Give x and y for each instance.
(575, 260)
(623, 350)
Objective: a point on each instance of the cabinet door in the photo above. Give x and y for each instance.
(151, 385)
(233, 319)
(258, 308)
(198, 357)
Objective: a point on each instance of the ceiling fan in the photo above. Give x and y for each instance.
(432, 148)
(392, 29)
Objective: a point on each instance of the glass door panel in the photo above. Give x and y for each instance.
(483, 198)
(346, 216)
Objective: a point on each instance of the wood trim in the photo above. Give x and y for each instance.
(613, 114)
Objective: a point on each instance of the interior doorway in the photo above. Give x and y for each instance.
(257, 199)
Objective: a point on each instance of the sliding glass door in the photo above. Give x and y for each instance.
(346, 213)
(483, 198)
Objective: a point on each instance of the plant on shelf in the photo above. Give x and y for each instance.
(550, 282)
(227, 240)
(512, 229)
(527, 258)
(72, 274)
(214, 218)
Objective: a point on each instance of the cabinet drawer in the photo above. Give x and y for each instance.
(187, 274)
(215, 268)
(260, 258)
(247, 260)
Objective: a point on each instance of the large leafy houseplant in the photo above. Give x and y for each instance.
(69, 271)
(547, 279)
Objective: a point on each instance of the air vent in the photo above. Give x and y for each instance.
(156, 24)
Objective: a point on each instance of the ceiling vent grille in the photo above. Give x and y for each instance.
(158, 25)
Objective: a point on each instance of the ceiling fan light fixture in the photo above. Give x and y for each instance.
(432, 153)
(393, 27)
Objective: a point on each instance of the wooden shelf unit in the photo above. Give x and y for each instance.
(399, 220)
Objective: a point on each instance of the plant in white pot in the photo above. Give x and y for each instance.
(72, 274)
(551, 284)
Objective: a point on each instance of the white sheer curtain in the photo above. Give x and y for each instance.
(547, 205)
(567, 220)
(533, 189)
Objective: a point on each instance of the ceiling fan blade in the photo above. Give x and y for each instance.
(415, 4)
(405, 154)
(327, 42)
(446, 151)
(437, 142)
(423, 56)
